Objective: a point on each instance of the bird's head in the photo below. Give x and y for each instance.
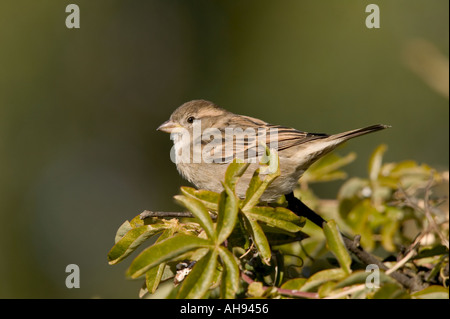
(197, 110)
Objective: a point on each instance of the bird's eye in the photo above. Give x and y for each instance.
(190, 119)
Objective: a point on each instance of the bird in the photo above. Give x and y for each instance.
(207, 138)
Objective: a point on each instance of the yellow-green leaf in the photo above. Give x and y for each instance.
(260, 239)
(200, 278)
(321, 277)
(391, 291)
(375, 162)
(208, 198)
(199, 210)
(294, 284)
(154, 275)
(230, 276)
(131, 240)
(279, 217)
(432, 292)
(234, 171)
(227, 213)
(257, 184)
(360, 277)
(337, 246)
(327, 168)
(164, 251)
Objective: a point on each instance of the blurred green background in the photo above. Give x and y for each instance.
(79, 153)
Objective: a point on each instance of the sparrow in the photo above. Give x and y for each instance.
(207, 138)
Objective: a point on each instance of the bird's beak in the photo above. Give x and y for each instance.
(168, 126)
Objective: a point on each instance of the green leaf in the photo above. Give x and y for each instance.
(131, 240)
(234, 171)
(432, 292)
(352, 188)
(256, 188)
(430, 252)
(123, 229)
(407, 173)
(257, 185)
(326, 168)
(154, 275)
(127, 226)
(256, 289)
(326, 288)
(321, 277)
(281, 213)
(270, 162)
(137, 221)
(375, 162)
(164, 251)
(200, 212)
(278, 236)
(360, 277)
(259, 238)
(391, 291)
(358, 219)
(208, 198)
(294, 284)
(350, 194)
(279, 217)
(252, 194)
(200, 278)
(389, 229)
(230, 276)
(227, 214)
(337, 246)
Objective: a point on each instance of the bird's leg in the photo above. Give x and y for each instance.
(300, 209)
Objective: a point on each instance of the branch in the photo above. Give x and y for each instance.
(148, 214)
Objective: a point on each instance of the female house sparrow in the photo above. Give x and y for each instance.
(207, 138)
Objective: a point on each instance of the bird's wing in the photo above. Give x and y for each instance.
(243, 135)
(287, 137)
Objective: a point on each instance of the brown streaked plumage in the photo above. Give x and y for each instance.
(297, 150)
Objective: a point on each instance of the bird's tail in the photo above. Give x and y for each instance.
(342, 137)
(315, 149)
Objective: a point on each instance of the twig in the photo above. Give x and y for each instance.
(246, 253)
(402, 262)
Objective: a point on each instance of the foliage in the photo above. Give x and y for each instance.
(238, 248)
